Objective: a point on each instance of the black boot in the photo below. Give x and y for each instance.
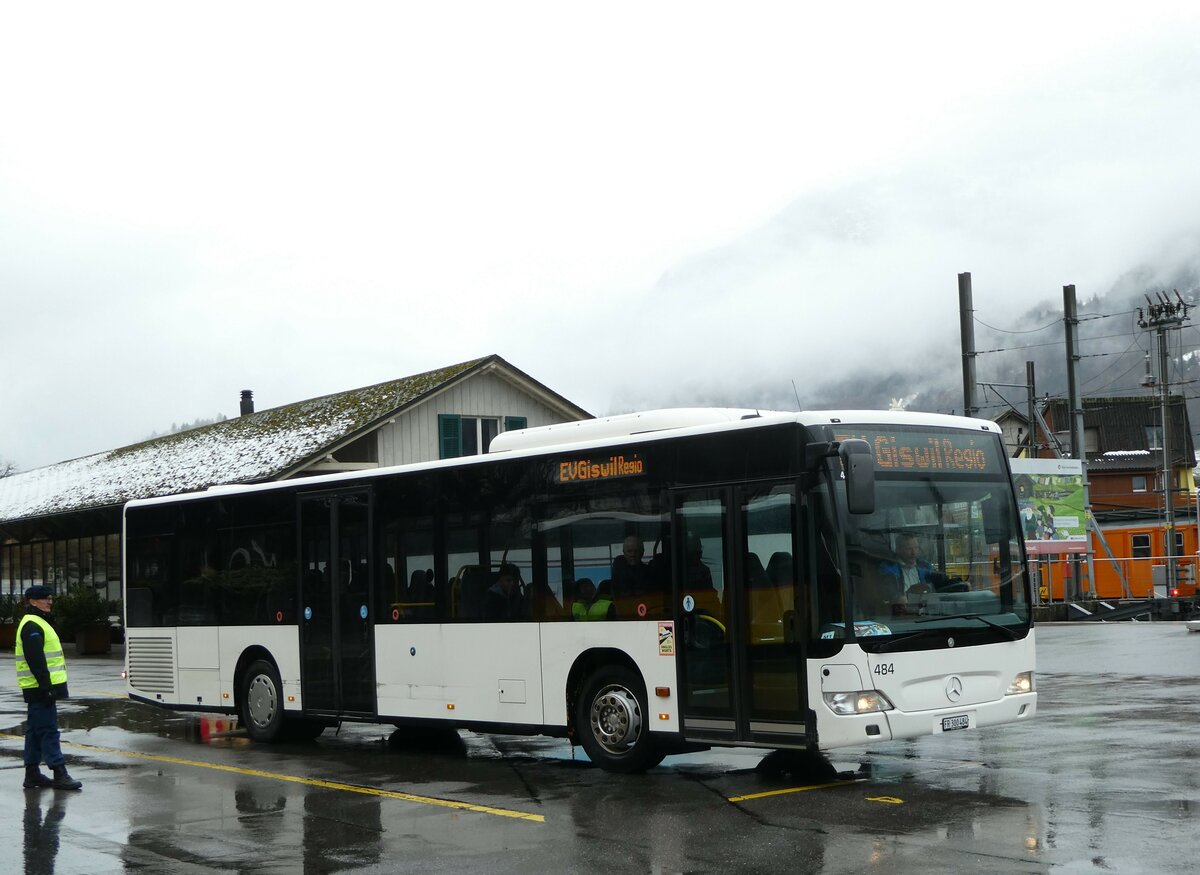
(63, 781)
(34, 778)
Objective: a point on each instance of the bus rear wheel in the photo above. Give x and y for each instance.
(611, 721)
(262, 702)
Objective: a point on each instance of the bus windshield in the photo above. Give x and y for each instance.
(941, 553)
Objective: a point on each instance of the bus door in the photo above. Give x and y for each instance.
(337, 672)
(740, 609)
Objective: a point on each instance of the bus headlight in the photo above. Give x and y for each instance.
(1022, 683)
(860, 702)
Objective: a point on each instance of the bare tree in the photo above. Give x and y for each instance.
(7, 467)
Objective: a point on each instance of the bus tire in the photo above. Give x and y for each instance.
(611, 721)
(262, 702)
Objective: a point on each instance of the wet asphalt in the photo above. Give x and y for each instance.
(1104, 779)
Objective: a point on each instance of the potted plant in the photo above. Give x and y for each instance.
(81, 615)
(10, 616)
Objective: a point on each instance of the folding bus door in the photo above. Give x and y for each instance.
(738, 607)
(337, 669)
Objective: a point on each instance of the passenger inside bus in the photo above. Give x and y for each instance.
(543, 602)
(502, 601)
(593, 602)
(629, 575)
(698, 575)
(779, 568)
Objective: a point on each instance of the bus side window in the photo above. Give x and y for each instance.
(139, 607)
(473, 582)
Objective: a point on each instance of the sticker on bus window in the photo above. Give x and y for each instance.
(666, 638)
(689, 603)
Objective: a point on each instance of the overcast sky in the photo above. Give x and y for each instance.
(639, 205)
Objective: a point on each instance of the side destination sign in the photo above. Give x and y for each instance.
(902, 450)
(600, 469)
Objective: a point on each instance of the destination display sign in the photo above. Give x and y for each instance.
(609, 468)
(945, 451)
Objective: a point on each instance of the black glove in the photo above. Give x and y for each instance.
(46, 696)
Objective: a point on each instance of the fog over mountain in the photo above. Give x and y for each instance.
(869, 353)
(672, 204)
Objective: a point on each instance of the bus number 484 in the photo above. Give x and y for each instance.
(884, 668)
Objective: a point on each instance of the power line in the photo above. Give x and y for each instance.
(1095, 316)
(1097, 376)
(1016, 331)
(1014, 348)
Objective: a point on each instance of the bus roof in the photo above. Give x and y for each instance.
(673, 419)
(589, 433)
(622, 425)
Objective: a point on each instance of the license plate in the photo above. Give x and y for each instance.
(962, 721)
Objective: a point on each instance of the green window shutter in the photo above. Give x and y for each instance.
(512, 423)
(450, 435)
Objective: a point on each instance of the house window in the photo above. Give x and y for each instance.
(470, 435)
(1154, 437)
(1141, 546)
(477, 434)
(1139, 483)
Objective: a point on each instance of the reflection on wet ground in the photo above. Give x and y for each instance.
(1104, 779)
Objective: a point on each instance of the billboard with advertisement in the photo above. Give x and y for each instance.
(1050, 498)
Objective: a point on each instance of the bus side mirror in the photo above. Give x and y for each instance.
(858, 465)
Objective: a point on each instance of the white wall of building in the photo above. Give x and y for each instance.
(413, 437)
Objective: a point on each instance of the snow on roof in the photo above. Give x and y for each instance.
(255, 447)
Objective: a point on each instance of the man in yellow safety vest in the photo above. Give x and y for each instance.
(42, 677)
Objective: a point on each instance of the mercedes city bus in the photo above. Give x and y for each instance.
(644, 585)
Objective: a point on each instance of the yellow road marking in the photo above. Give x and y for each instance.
(891, 800)
(764, 795)
(311, 782)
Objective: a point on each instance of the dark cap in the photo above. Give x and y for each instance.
(38, 592)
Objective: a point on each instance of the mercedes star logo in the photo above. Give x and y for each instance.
(954, 688)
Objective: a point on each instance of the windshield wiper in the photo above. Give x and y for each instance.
(900, 639)
(1012, 636)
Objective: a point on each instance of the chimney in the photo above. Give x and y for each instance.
(247, 402)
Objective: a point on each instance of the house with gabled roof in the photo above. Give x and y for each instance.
(1123, 443)
(59, 524)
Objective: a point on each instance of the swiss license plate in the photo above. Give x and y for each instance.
(961, 721)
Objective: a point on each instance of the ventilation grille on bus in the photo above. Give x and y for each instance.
(151, 665)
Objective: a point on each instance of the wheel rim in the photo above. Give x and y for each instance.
(262, 701)
(616, 719)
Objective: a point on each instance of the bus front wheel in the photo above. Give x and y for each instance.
(611, 721)
(262, 702)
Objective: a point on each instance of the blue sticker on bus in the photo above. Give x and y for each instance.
(308, 613)
(362, 612)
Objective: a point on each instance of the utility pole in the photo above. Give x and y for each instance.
(966, 323)
(1032, 400)
(1163, 316)
(1078, 445)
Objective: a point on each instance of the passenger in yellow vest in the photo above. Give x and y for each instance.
(592, 603)
(42, 677)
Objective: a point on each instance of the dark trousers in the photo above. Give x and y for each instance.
(41, 735)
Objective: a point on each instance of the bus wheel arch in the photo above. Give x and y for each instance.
(609, 714)
(259, 693)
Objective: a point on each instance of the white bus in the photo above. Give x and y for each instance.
(678, 580)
